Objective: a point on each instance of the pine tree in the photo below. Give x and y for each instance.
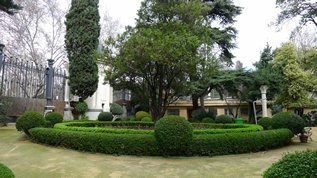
(82, 33)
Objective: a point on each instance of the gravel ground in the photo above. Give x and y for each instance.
(30, 160)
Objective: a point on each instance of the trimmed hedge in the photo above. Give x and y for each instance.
(29, 120)
(53, 118)
(105, 116)
(146, 145)
(298, 164)
(288, 120)
(173, 135)
(140, 114)
(6, 172)
(235, 143)
(138, 127)
(119, 144)
(224, 119)
(266, 123)
(230, 128)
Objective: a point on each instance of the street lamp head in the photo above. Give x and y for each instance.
(1, 47)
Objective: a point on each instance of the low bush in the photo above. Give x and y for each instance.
(207, 120)
(29, 120)
(116, 109)
(266, 123)
(140, 114)
(6, 172)
(224, 119)
(146, 145)
(3, 120)
(173, 134)
(200, 113)
(105, 116)
(298, 164)
(118, 144)
(81, 107)
(146, 119)
(236, 143)
(229, 128)
(53, 118)
(288, 120)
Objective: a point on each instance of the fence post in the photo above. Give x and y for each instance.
(1, 66)
(49, 87)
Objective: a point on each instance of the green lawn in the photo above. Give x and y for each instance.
(30, 160)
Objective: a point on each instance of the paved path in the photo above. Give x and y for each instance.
(30, 160)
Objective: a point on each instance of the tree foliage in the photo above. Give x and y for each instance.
(298, 84)
(154, 59)
(81, 40)
(9, 7)
(160, 57)
(306, 10)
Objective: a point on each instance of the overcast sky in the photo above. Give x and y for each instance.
(252, 25)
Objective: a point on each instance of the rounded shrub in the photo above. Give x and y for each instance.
(288, 120)
(116, 109)
(223, 119)
(53, 118)
(105, 116)
(81, 107)
(140, 114)
(266, 123)
(298, 164)
(207, 120)
(29, 120)
(146, 119)
(173, 135)
(5, 171)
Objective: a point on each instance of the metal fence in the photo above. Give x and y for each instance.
(27, 79)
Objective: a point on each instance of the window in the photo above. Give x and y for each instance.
(244, 111)
(228, 111)
(173, 112)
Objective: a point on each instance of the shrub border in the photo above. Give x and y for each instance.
(146, 145)
(98, 126)
(6, 171)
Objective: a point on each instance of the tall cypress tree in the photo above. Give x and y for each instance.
(82, 32)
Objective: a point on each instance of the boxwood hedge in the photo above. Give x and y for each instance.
(138, 127)
(298, 164)
(146, 145)
(6, 172)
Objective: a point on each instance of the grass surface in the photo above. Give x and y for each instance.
(30, 160)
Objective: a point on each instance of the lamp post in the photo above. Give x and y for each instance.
(254, 111)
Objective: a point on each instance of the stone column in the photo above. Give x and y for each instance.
(67, 110)
(263, 89)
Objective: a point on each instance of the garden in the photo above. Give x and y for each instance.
(170, 136)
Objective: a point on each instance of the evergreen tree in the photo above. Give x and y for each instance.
(82, 33)
(9, 7)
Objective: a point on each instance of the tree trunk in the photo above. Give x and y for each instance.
(195, 102)
(202, 101)
(252, 117)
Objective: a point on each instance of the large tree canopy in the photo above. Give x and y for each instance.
(157, 58)
(9, 7)
(298, 84)
(306, 10)
(82, 33)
